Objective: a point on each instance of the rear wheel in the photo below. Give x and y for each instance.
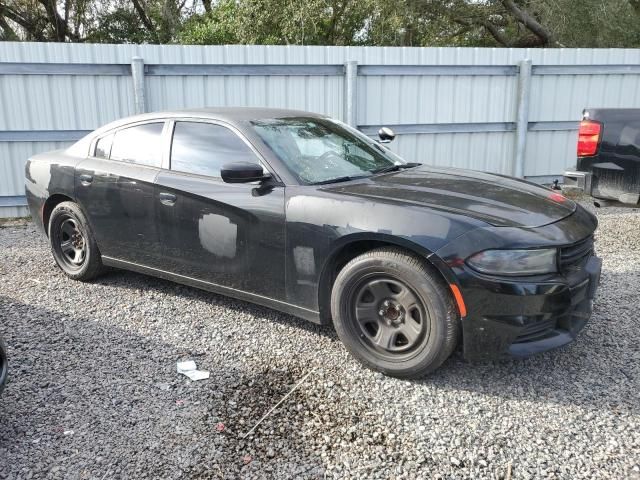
(72, 244)
(394, 313)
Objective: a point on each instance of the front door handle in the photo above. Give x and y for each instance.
(167, 198)
(86, 179)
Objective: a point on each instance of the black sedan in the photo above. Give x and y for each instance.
(306, 215)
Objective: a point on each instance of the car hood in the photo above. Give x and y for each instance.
(495, 199)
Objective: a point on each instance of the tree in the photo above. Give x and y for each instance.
(506, 23)
(218, 26)
(43, 20)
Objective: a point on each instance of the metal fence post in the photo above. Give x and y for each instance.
(522, 121)
(137, 75)
(350, 93)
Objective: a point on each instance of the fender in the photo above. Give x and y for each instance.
(349, 246)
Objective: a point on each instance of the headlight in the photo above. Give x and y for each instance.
(515, 262)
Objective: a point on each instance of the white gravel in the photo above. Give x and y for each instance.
(94, 393)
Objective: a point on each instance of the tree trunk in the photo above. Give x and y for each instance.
(529, 22)
(59, 25)
(30, 28)
(8, 33)
(146, 21)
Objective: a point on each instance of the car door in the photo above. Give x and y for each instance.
(230, 235)
(115, 187)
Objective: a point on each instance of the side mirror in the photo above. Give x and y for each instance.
(386, 135)
(242, 172)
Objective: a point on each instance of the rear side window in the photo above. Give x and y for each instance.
(103, 147)
(140, 144)
(203, 148)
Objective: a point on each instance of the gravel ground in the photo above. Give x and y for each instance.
(93, 391)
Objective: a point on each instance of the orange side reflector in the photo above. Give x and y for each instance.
(459, 300)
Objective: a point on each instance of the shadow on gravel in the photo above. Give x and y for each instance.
(599, 370)
(88, 400)
(133, 280)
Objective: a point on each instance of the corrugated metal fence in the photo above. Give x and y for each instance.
(485, 109)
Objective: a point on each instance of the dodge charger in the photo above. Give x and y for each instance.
(306, 215)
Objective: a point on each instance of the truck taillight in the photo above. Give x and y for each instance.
(588, 138)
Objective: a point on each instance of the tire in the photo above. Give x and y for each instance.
(72, 243)
(4, 365)
(394, 313)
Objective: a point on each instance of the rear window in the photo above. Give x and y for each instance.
(140, 144)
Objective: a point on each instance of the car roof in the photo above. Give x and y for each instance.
(229, 114)
(233, 115)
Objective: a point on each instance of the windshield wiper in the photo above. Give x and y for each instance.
(395, 168)
(346, 178)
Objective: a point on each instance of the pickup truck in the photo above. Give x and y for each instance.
(608, 167)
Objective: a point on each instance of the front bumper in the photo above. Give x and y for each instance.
(516, 318)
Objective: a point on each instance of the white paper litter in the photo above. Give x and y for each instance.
(190, 369)
(186, 366)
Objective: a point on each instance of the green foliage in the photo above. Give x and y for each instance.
(593, 23)
(217, 27)
(278, 22)
(512, 23)
(121, 25)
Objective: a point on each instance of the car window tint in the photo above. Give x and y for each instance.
(140, 144)
(203, 148)
(103, 147)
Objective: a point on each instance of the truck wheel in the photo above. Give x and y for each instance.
(394, 313)
(72, 243)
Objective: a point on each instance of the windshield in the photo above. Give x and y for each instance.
(320, 150)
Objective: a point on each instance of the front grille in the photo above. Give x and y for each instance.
(537, 330)
(574, 255)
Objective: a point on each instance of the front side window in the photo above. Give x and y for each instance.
(318, 150)
(202, 148)
(141, 144)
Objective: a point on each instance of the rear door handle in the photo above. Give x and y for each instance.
(167, 198)
(86, 179)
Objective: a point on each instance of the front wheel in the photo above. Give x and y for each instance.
(72, 244)
(394, 313)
